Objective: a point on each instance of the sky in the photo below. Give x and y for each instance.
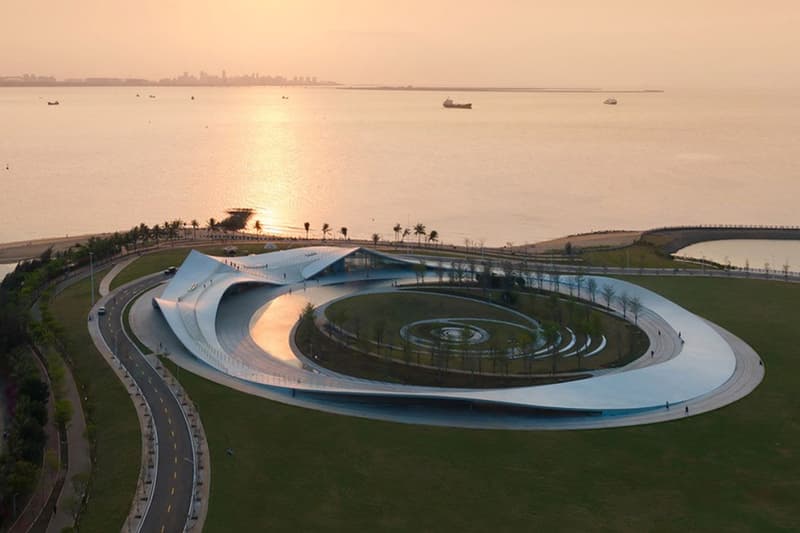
(542, 43)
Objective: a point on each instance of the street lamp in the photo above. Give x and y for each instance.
(91, 273)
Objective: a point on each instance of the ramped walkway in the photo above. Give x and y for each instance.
(748, 373)
(105, 283)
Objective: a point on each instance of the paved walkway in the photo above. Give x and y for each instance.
(79, 456)
(105, 283)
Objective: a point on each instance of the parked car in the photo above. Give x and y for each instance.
(170, 271)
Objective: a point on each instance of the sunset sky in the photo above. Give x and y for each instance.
(608, 43)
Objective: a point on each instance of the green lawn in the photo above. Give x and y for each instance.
(366, 316)
(363, 313)
(736, 469)
(111, 417)
(633, 257)
(163, 259)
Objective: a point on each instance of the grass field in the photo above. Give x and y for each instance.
(736, 469)
(163, 259)
(362, 313)
(112, 415)
(634, 257)
(388, 313)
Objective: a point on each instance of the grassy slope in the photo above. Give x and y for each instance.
(158, 261)
(733, 470)
(117, 428)
(634, 256)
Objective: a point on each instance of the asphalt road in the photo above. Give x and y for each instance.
(172, 497)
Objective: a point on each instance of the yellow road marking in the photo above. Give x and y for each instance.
(176, 459)
(169, 418)
(171, 433)
(174, 475)
(171, 492)
(162, 528)
(169, 507)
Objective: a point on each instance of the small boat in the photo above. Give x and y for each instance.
(55, 102)
(610, 101)
(151, 96)
(452, 105)
(192, 97)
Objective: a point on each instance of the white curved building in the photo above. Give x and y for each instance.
(694, 362)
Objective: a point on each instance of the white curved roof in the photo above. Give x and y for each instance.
(191, 301)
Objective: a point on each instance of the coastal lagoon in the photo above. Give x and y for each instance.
(518, 167)
(740, 252)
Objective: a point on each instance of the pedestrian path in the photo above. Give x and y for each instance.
(666, 343)
(105, 283)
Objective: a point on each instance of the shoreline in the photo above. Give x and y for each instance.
(668, 239)
(16, 251)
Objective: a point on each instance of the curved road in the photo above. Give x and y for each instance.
(169, 506)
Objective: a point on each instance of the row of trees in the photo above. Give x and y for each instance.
(419, 229)
(27, 396)
(400, 233)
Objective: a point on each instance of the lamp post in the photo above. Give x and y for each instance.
(91, 273)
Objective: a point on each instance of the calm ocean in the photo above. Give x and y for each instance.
(518, 167)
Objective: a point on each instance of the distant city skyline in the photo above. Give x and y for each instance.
(613, 44)
(184, 79)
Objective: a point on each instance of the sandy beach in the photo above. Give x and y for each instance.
(13, 252)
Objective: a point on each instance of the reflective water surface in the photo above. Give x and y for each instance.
(517, 167)
(755, 253)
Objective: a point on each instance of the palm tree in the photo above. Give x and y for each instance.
(343, 231)
(212, 224)
(257, 227)
(195, 225)
(144, 231)
(433, 236)
(406, 233)
(176, 225)
(307, 226)
(156, 232)
(397, 229)
(326, 228)
(419, 231)
(375, 239)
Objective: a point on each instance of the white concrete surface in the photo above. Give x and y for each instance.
(681, 371)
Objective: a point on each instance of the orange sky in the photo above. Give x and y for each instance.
(608, 43)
